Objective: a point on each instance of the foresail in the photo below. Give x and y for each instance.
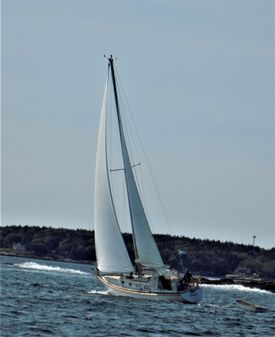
(112, 255)
(146, 248)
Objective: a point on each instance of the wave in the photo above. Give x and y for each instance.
(44, 267)
(230, 287)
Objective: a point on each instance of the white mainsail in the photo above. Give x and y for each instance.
(111, 252)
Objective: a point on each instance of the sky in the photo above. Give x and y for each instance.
(199, 78)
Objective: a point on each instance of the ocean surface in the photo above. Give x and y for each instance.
(49, 298)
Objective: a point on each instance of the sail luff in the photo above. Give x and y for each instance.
(111, 252)
(146, 251)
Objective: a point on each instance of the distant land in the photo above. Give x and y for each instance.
(204, 257)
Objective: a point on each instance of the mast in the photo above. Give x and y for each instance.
(123, 143)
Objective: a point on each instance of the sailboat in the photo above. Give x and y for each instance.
(147, 277)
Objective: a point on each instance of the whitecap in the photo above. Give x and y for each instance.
(230, 287)
(44, 267)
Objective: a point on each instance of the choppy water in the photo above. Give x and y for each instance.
(47, 298)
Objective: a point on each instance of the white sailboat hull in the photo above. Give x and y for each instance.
(192, 295)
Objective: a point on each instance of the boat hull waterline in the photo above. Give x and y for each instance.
(192, 295)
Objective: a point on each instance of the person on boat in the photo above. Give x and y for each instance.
(181, 284)
(138, 270)
(188, 276)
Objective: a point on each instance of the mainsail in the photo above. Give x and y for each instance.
(111, 252)
(146, 251)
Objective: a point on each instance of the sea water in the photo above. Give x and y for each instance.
(49, 298)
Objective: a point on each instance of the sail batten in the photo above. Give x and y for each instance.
(112, 255)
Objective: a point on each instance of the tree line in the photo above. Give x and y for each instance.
(205, 257)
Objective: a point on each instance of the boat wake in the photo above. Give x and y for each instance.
(37, 266)
(231, 287)
(98, 292)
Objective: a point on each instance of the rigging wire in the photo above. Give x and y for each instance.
(131, 144)
(132, 149)
(133, 152)
(145, 156)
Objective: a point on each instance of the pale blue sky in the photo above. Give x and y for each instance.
(199, 77)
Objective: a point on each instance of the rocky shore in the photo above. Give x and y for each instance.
(268, 285)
